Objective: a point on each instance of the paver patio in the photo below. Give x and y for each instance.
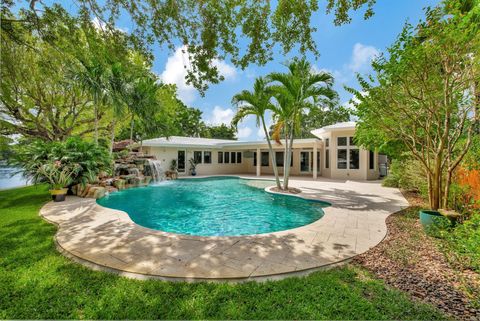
(108, 239)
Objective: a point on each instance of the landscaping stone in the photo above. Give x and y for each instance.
(95, 192)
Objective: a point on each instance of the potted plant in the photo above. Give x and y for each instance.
(58, 176)
(193, 166)
(429, 218)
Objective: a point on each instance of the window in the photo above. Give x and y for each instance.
(233, 157)
(327, 142)
(354, 158)
(239, 157)
(371, 160)
(348, 153)
(341, 141)
(342, 159)
(226, 159)
(279, 157)
(220, 157)
(327, 158)
(265, 161)
(197, 157)
(350, 141)
(207, 157)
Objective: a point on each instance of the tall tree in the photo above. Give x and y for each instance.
(221, 131)
(38, 97)
(256, 103)
(296, 92)
(423, 94)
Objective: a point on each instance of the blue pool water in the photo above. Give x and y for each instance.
(219, 206)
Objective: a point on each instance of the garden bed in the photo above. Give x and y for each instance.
(411, 261)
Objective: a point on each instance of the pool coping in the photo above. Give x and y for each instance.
(107, 239)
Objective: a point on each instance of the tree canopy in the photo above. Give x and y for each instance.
(424, 96)
(243, 31)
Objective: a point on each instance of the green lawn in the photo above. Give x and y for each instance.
(36, 282)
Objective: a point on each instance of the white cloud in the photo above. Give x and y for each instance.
(100, 25)
(351, 103)
(261, 133)
(244, 132)
(176, 71)
(362, 56)
(360, 60)
(221, 116)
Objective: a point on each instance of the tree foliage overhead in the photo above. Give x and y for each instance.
(245, 31)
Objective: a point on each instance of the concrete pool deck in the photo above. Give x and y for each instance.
(108, 239)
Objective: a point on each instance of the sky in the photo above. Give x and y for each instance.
(344, 51)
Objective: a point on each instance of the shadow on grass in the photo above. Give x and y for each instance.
(38, 283)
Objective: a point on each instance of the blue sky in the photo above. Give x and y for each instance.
(344, 51)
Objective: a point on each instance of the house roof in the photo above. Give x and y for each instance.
(180, 141)
(335, 127)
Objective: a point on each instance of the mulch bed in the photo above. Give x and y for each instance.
(410, 260)
(291, 190)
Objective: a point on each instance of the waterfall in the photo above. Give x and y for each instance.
(158, 174)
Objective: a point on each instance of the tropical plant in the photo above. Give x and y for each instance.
(173, 165)
(296, 92)
(88, 159)
(256, 103)
(193, 165)
(56, 174)
(424, 95)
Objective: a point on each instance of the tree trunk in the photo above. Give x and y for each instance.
(112, 137)
(96, 123)
(289, 159)
(448, 181)
(285, 168)
(273, 156)
(131, 128)
(436, 188)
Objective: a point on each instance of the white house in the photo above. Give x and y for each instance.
(332, 154)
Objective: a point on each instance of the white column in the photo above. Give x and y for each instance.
(259, 158)
(315, 161)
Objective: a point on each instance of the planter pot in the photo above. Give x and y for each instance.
(194, 173)
(430, 218)
(58, 195)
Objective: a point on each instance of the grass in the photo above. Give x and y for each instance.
(36, 282)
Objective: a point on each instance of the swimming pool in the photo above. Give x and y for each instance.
(216, 206)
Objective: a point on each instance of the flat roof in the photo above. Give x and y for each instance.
(181, 141)
(335, 127)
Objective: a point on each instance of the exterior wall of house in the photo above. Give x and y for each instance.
(363, 172)
(167, 154)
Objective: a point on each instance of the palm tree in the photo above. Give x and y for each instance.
(94, 79)
(295, 92)
(142, 99)
(118, 88)
(256, 103)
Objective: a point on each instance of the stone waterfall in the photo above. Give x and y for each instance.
(156, 170)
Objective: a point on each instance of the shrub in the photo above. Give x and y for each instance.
(88, 158)
(461, 243)
(406, 174)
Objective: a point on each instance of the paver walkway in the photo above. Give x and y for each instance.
(104, 238)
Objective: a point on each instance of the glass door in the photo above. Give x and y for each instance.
(305, 161)
(181, 161)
